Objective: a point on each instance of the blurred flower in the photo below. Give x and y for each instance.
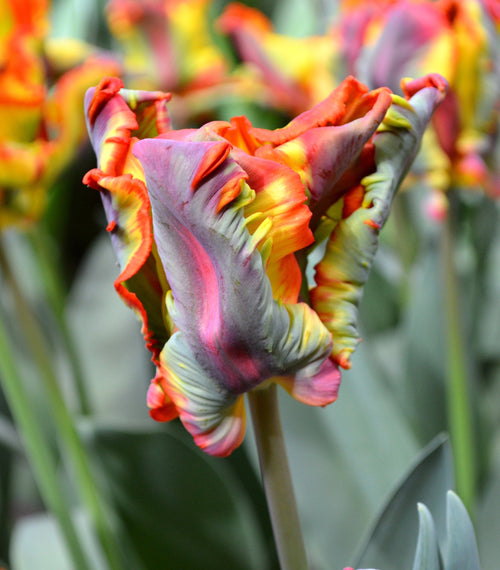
(386, 42)
(41, 124)
(213, 226)
(166, 43)
(293, 74)
(169, 45)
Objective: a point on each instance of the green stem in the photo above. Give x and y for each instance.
(38, 450)
(458, 395)
(66, 429)
(276, 479)
(54, 290)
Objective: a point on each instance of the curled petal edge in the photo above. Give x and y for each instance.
(352, 245)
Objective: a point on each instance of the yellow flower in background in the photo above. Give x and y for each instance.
(42, 85)
(21, 77)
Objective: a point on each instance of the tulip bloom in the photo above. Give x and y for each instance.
(213, 226)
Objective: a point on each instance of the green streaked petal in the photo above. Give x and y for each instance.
(140, 283)
(215, 418)
(352, 245)
(222, 303)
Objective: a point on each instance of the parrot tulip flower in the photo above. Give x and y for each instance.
(212, 228)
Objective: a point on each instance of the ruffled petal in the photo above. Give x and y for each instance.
(252, 33)
(350, 250)
(140, 283)
(215, 418)
(349, 101)
(321, 155)
(319, 390)
(222, 300)
(111, 120)
(294, 73)
(142, 31)
(41, 124)
(113, 114)
(161, 407)
(279, 197)
(167, 44)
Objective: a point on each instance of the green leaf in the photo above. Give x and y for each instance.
(461, 548)
(389, 545)
(180, 508)
(427, 556)
(5, 487)
(10, 446)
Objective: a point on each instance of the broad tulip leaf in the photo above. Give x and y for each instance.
(461, 548)
(180, 508)
(391, 545)
(427, 556)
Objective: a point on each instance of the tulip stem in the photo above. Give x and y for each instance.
(37, 448)
(458, 391)
(52, 280)
(71, 443)
(277, 479)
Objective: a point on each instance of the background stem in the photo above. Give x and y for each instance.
(71, 444)
(458, 391)
(276, 479)
(38, 451)
(54, 290)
